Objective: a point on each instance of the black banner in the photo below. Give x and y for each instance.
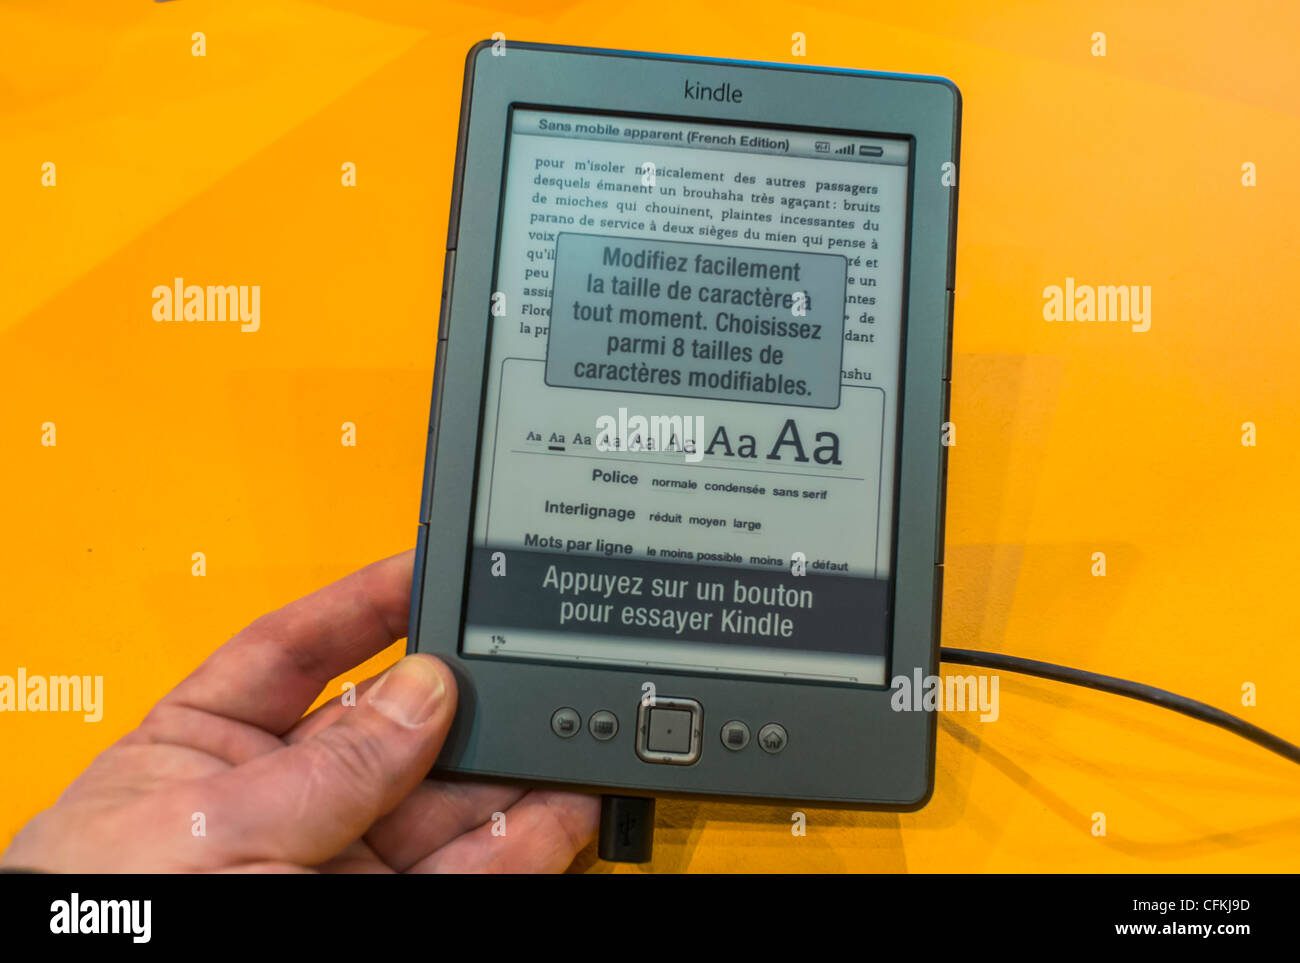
(613, 597)
(980, 916)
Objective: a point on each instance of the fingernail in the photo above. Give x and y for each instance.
(409, 691)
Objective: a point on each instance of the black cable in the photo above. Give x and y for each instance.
(627, 829)
(1134, 690)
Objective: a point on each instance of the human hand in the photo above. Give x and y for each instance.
(342, 789)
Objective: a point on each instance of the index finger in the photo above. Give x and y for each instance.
(271, 672)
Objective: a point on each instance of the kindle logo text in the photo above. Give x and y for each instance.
(722, 94)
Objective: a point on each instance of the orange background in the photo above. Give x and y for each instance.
(1071, 439)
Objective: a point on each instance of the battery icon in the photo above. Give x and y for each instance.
(870, 150)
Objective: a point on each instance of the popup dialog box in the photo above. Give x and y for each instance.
(697, 320)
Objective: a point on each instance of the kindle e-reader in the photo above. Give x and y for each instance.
(683, 506)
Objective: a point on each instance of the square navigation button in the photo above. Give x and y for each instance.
(670, 731)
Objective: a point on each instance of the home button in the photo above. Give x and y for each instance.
(772, 738)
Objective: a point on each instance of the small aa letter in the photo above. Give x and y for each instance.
(498, 44)
(799, 44)
(1099, 44)
(1098, 563)
(48, 176)
(648, 174)
(948, 434)
(47, 434)
(1248, 434)
(498, 304)
(1248, 693)
(349, 174)
(498, 824)
(498, 564)
(200, 47)
(198, 824)
(798, 564)
(349, 697)
(948, 174)
(798, 824)
(648, 694)
(349, 435)
(1099, 824)
(200, 566)
(1247, 174)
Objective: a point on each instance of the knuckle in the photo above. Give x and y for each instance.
(357, 755)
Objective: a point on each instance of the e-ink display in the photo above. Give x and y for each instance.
(691, 408)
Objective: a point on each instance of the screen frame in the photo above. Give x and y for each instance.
(902, 364)
(502, 728)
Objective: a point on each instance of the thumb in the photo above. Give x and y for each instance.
(308, 801)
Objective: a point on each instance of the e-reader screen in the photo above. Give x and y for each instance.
(691, 404)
